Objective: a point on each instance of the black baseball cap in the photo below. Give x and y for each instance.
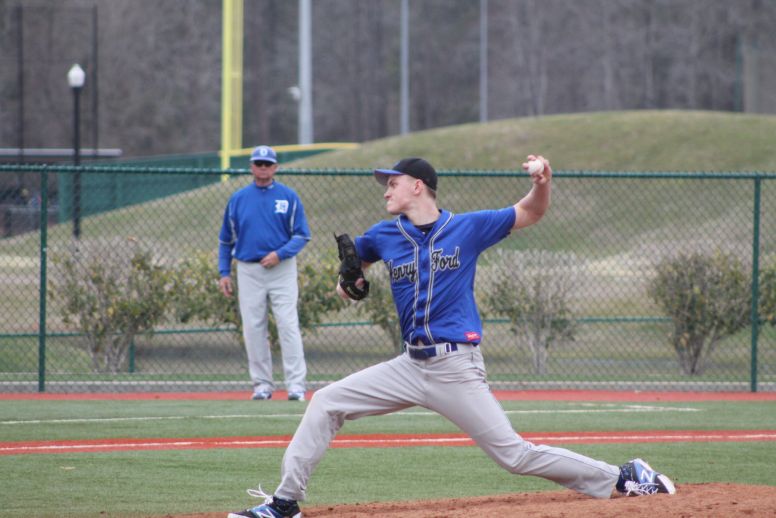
(414, 167)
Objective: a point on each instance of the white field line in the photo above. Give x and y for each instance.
(626, 409)
(143, 445)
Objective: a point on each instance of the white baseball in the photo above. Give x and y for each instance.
(535, 166)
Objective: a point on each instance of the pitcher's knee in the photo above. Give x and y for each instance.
(326, 400)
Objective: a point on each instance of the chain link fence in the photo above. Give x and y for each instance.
(568, 303)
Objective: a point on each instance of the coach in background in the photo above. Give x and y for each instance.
(264, 229)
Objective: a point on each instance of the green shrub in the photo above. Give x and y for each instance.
(197, 297)
(111, 293)
(707, 299)
(767, 294)
(317, 290)
(533, 290)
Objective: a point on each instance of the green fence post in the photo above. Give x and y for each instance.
(754, 316)
(42, 290)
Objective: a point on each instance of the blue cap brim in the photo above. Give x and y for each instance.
(381, 175)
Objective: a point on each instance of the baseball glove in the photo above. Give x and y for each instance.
(350, 268)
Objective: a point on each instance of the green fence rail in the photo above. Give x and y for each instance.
(599, 247)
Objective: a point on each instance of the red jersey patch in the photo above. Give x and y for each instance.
(472, 335)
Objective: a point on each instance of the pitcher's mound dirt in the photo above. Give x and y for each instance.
(707, 500)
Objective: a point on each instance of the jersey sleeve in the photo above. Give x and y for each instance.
(226, 239)
(366, 245)
(300, 230)
(491, 226)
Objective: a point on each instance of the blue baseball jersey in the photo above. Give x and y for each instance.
(260, 220)
(432, 274)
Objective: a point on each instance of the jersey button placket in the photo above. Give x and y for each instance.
(424, 277)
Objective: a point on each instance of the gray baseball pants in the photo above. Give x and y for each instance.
(454, 386)
(278, 285)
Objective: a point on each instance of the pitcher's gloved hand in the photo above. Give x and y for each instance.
(350, 269)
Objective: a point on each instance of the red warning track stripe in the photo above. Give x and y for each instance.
(378, 441)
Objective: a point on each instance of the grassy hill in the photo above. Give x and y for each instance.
(611, 141)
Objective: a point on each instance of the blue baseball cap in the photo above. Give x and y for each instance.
(265, 154)
(414, 167)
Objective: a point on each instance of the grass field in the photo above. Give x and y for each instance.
(155, 483)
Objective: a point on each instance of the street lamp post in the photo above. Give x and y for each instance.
(75, 78)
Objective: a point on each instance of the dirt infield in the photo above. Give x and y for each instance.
(708, 500)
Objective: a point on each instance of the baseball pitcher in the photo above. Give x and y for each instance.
(431, 256)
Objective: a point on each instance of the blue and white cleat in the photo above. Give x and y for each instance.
(637, 478)
(273, 507)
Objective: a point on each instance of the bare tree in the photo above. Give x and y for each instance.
(159, 65)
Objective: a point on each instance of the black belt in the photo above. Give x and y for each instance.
(424, 352)
(251, 260)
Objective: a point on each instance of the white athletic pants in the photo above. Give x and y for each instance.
(453, 386)
(255, 286)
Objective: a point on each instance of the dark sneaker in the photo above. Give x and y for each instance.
(261, 394)
(296, 396)
(637, 478)
(273, 507)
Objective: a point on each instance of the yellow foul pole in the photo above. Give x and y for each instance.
(231, 80)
